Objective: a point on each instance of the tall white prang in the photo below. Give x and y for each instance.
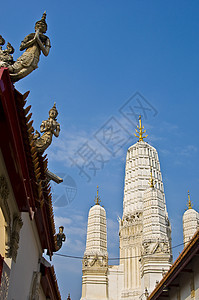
(144, 233)
(144, 228)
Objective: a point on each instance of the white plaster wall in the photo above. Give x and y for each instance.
(94, 286)
(27, 261)
(115, 282)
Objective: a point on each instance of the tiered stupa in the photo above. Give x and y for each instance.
(144, 228)
(144, 231)
(95, 261)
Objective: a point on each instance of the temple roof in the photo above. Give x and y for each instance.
(26, 168)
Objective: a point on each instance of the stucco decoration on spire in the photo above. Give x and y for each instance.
(49, 128)
(33, 44)
(140, 132)
(189, 204)
(97, 199)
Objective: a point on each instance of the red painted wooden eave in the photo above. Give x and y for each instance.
(11, 145)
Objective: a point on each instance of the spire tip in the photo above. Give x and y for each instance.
(140, 131)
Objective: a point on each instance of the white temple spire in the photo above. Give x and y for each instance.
(190, 221)
(95, 261)
(143, 188)
(144, 233)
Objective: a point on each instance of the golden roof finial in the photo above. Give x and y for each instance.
(97, 199)
(141, 131)
(189, 204)
(151, 180)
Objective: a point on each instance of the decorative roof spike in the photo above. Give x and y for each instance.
(141, 131)
(189, 204)
(151, 180)
(97, 199)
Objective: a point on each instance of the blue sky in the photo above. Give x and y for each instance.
(103, 52)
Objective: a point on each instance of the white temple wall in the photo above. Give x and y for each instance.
(27, 261)
(115, 281)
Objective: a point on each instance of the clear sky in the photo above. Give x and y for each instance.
(103, 52)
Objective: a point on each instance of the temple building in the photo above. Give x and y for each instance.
(27, 226)
(144, 233)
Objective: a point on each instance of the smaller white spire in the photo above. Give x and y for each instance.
(190, 222)
(95, 261)
(96, 231)
(156, 247)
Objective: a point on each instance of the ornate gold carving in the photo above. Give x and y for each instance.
(4, 194)
(192, 287)
(49, 128)
(4, 191)
(140, 132)
(11, 232)
(14, 241)
(4, 282)
(151, 180)
(34, 294)
(33, 44)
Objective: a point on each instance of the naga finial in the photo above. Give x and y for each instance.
(141, 131)
(97, 199)
(189, 204)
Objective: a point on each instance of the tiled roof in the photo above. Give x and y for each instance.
(28, 178)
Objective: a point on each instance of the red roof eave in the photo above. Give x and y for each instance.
(49, 284)
(11, 143)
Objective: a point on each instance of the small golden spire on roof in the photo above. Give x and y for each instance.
(151, 180)
(140, 132)
(189, 204)
(97, 199)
